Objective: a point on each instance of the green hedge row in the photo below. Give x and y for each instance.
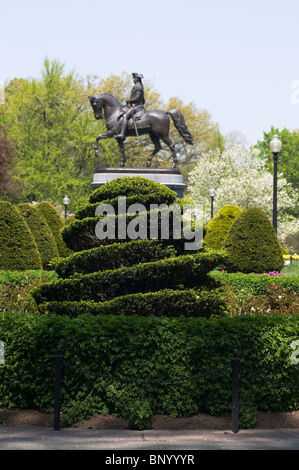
(256, 283)
(112, 256)
(171, 273)
(168, 302)
(138, 348)
(14, 278)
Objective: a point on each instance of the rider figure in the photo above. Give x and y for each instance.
(135, 103)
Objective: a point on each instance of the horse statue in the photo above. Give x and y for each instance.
(153, 122)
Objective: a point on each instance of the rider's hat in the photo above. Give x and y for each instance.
(137, 75)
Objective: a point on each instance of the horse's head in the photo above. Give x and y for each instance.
(97, 106)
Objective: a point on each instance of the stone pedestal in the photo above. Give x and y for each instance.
(171, 177)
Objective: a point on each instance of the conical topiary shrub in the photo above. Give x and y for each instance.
(55, 224)
(40, 230)
(252, 245)
(219, 226)
(18, 249)
(100, 272)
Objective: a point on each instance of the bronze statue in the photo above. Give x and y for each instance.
(135, 103)
(134, 120)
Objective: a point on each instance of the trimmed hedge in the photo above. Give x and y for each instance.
(185, 270)
(219, 226)
(137, 348)
(145, 199)
(16, 278)
(132, 186)
(55, 224)
(169, 303)
(40, 230)
(18, 249)
(81, 234)
(252, 244)
(112, 257)
(256, 283)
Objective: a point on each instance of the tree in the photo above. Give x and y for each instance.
(288, 161)
(242, 178)
(52, 127)
(7, 161)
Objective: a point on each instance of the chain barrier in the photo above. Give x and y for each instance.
(161, 381)
(235, 366)
(24, 374)
(266, 379)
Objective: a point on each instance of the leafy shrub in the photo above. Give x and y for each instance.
(256, 284)
(168, 303)
(252, 244)
(17, 278)
(40, 230)
(55, 224)
(132, 186)
(187, 271)
(137, 359)
(219, 226)
(112, 256)
(18, 249)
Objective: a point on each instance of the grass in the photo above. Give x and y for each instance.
(291, 269)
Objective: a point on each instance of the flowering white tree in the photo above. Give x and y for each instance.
(240, 177)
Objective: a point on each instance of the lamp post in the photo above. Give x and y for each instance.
(275, 147)
(212, 194)
(65, 202)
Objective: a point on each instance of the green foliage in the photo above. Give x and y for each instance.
(185, 270)
(252, 244)
(55, 224)
(133, 186)
(18, 249)
(288, 157)
(168, 303)
(40, 230)
(257, 284)
(219, 226)
(17, 278)
(139, 349)
(112, 256)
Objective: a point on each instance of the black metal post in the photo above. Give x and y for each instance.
(65, 211)
(58, 362)
(212, 206)
(235, 391)
(275, 158)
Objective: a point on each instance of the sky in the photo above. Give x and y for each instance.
(236, 59)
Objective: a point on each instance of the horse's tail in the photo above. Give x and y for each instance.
(179, 122)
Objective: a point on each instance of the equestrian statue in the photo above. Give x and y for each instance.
(133, 120)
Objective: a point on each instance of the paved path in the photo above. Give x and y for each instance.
(36, 438)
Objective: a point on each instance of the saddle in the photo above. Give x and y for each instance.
(140, 120)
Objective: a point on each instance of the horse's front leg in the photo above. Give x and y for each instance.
(106, 135)
(122, 149)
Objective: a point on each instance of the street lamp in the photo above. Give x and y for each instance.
(275, 147)
(212, 194)
(65, 202)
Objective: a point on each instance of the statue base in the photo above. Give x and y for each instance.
(171, 177)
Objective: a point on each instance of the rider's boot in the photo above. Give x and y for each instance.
(123, 129)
